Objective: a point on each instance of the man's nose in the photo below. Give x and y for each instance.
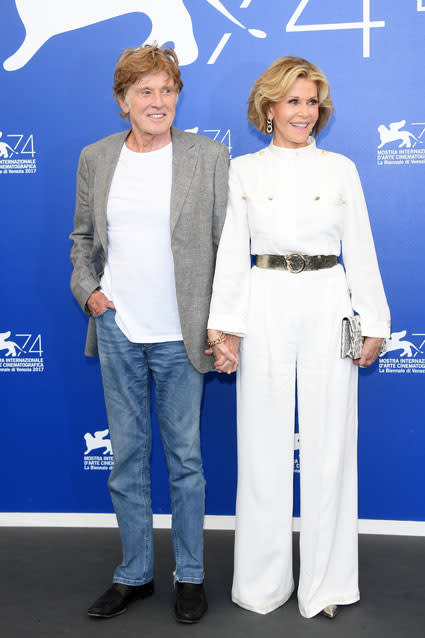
(157, 98)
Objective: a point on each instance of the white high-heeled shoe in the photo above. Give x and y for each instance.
(330, 611)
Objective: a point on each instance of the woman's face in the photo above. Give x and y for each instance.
(295, 115)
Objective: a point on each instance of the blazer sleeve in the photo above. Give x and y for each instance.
(231, 287)
(364, 278)
(83, 279)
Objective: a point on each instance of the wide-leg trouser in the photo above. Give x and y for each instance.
(293, 347)
(127, 371)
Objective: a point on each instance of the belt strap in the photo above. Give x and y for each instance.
(295, 262)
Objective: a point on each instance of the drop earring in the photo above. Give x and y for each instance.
(269, 128)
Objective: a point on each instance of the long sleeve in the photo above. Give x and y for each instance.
(230, 298)
(83, 279)
(363, 275)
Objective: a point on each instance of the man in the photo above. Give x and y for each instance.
(149, 214)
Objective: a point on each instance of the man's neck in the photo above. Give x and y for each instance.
(145, 142)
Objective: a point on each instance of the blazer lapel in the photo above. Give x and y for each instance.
(105, 168)
(185, 156)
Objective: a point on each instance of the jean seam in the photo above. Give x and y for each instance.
(176, 545)
(143, 486)
(131, 581)
(188, 579)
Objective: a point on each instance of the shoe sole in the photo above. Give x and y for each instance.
(122, 611)
(117, 613)
(187, 622)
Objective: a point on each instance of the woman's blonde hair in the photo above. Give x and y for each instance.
(150, 58)
(274, 84)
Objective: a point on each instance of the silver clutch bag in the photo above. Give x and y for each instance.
(351, 337)
(352, 340)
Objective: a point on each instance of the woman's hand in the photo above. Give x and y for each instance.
(225, 353)
(370, 352)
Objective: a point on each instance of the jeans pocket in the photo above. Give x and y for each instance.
(101, 314)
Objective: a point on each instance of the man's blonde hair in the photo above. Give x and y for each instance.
(134, 63)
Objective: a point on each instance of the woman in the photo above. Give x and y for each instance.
(294, 207)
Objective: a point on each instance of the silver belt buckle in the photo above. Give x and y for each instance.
(295, 263)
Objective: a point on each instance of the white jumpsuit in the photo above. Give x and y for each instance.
(309, 201)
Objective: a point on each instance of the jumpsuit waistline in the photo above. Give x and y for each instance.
(296, 262)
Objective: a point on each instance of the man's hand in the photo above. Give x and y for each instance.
(226, 353)
(97, 303)
(370, 352)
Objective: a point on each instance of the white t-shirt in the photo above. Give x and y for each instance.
(139, 269)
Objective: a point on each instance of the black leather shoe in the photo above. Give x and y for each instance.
(191, 602)
(115, 600)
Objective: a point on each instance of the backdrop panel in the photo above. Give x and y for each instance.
(56, 64)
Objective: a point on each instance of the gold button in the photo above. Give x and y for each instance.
(261, 152)
(243, 196)
(317, 197)
(270, 197)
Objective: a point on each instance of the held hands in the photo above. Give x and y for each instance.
(370, 352)
(97, 303)
(225, 353)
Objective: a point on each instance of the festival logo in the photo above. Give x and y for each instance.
(14, 151)
(21, 352)
(221, 135)
(296, 452)
(98, 442)
(171, 22)
(404, 355)
(403, 144)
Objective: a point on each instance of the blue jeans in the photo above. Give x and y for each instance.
(127, 370)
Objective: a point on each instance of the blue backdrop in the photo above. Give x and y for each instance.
(56, 63)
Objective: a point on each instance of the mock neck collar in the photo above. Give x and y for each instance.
(286, 153)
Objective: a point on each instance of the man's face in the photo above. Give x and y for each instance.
(151, 104)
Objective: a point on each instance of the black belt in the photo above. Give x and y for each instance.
(295, 262)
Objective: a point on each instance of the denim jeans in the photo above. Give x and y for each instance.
(127, 371)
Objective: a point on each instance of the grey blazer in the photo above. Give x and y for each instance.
(198, 208)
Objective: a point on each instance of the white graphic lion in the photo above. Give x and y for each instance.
(98, 441)
(5, 149)
(396, 342)
(393, 134)
(171, 22)
(10, 346)
(44, 19)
